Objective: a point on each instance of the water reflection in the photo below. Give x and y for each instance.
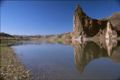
(88, 61)
(83, 54)
(87, 56)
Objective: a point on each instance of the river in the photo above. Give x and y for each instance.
(54, 61)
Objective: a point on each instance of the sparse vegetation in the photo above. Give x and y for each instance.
(11, 68)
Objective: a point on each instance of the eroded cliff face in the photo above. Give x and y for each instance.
(78, 21)
(83, 24)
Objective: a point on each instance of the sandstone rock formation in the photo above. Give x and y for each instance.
(85, 25)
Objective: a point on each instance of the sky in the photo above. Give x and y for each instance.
(34, 17)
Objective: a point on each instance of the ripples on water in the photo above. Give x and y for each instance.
(76, 61)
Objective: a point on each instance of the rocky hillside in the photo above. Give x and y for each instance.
(7, 36)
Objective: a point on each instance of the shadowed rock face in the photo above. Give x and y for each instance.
(90, 27)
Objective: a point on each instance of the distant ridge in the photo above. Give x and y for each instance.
(2, 34)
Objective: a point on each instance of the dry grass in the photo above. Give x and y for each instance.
(10, 67)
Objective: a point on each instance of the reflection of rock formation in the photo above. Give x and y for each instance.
(78, 56)
(85, 53)
(109, 46)
(116, 53)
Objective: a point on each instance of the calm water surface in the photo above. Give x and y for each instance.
(49, 61)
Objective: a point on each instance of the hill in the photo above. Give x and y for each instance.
(5, 35)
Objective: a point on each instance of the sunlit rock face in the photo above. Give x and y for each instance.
(83, 23)
(78, 21)
(90, 27)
